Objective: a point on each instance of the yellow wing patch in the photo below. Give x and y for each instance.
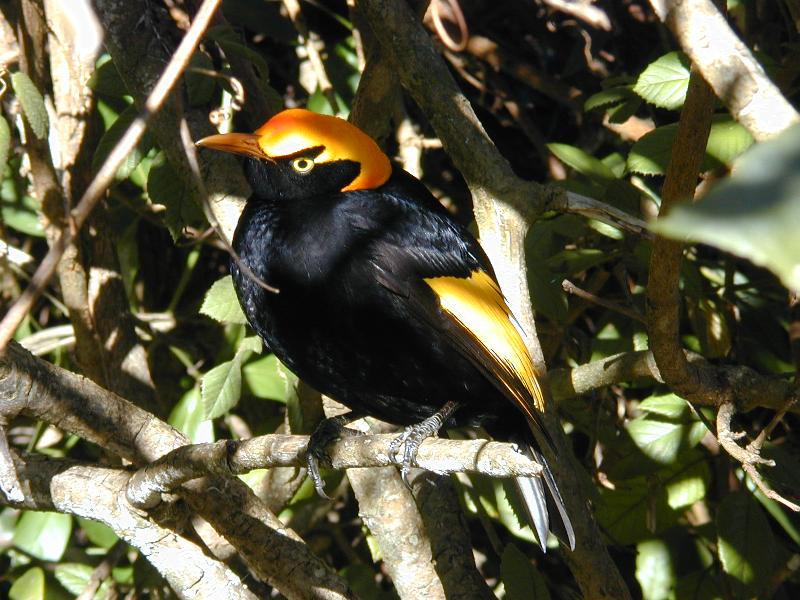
(477, 305)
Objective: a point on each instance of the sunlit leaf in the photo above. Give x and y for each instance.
(43, 534)
(189, 418)
(99, 534)
(664, 82)
(583, 162)
(29, 586)
(607, 97)
(222, 304)
(654, 570)
(267, 377)
(753, 214)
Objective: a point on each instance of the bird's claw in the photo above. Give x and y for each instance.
(328, 431)
(411, 439)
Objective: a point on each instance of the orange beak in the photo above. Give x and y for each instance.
(237, 143)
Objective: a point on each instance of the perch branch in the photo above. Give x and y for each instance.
(63, 485)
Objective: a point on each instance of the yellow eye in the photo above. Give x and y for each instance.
(302, 165)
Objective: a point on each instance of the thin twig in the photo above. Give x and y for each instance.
(571, 288)
(750, 456)
(590, 208)
(106, 176)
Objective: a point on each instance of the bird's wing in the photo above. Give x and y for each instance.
(446, 280)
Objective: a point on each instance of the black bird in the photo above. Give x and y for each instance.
(385, 303)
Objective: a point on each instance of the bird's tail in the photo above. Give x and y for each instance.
(541, 499)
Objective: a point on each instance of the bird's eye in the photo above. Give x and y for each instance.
(302, 165)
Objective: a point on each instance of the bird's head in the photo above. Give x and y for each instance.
(299, 154)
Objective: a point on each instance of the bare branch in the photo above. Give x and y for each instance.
(750, 456)
(228, 457)
(62, 485)
(570, 202)
(737, 78)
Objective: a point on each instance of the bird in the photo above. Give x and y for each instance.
(365, 286)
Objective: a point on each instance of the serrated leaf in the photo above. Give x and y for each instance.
(746, 543)
(221, 387)
(753, 214)
(5, 144)
(520, 579)
(32, 103)
(73, 576)
(187, 417)
(650, 155)
(510, 510)
(30, 586)
(654, 570)
(222, 304)
(607, 97)
(582, 162)
(664, 82)
(43, 534)
(112, 136)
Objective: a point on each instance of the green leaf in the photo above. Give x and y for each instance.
(43, 534)
(521, 580)
(668, 405)
(654, 570)
(222, 304)
(166, 188)
(73, 576)
(651, 154)
(269, 378)
(746, 543)
(32, 103)
(664, 82)
(30, 586)
(19, 211)
(582, 162)
(189, 418)
(547, 295)
(607, 97)
(99, 534)
(633, 511)
(221, 387)
(753, 214)
(662, 441)
(689, 485)
(5, 144)
(362, 581)
(106, 80)
(112, 136)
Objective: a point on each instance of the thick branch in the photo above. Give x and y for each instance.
(98, 494)
(737, 78)
(275, 553)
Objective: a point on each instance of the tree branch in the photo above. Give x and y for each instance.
(62, 486)
(276, 554)
(727, 64)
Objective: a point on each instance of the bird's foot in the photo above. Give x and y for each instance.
(328, 431)
(414, 435)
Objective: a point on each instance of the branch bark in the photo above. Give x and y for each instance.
(275, 553)
(727, 64)
(61, 485)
